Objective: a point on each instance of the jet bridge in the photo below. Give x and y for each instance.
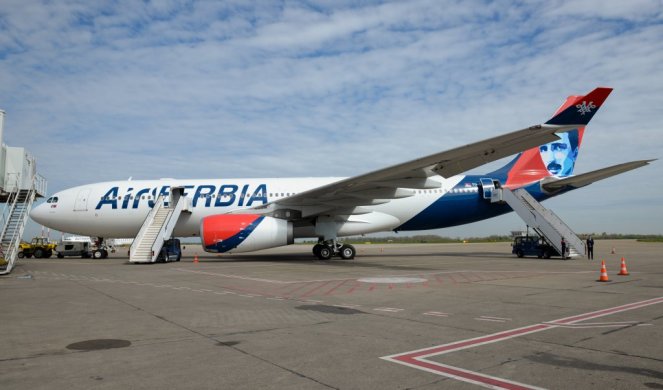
(546, 223)
(158, 226)
(19, 186)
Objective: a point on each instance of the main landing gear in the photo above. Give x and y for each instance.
(325, 250)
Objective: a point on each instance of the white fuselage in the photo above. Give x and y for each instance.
(118, 209)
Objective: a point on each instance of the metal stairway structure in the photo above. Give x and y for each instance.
(546, 223)
(14, 218)
(19, 186)
(158, 226)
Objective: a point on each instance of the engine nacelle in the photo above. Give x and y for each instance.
(244, 233)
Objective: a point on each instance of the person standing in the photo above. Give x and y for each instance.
(590, 248)
(563, 248)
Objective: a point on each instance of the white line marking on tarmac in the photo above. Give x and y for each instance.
(599, 324)
(418, 274)
(419, 358)
(389, 309)
(347, 306)
(436, 314)
(495, 319)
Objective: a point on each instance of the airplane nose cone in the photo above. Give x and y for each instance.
(39, 214)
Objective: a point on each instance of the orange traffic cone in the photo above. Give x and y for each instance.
(195, 259)
(604, 273)
(623, 271)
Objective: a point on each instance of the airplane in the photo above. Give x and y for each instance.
(431, 192)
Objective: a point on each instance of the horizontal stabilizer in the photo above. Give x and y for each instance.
(591, 177)
(582, 109)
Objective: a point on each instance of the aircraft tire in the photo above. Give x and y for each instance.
(325, 253)
(347, 252)
(316, 250)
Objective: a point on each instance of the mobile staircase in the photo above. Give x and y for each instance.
(546, 223)
(158, 226)
(17, 205)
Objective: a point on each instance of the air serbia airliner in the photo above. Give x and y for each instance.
(242, 215)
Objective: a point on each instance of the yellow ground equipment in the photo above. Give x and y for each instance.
(39, 247)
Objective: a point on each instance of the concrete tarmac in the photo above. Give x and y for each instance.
(425, 316)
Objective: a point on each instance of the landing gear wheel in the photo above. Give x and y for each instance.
(98, 254)
(347, 252)
(325, 253)
(316, 250)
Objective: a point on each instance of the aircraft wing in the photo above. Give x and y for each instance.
(399, 181)
(593, 176)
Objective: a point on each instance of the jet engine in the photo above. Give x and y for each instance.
(244, 233)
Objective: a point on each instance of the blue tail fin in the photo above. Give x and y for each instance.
(581, 111)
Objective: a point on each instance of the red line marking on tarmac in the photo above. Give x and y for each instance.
(467, 279)
(314, 290)
(297, 289)
(337, 286)
(353, 288)
(417, 358)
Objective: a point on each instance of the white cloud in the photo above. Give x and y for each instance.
(221, 89)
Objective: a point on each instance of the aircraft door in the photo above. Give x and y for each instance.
(487, 187)
(81, 200)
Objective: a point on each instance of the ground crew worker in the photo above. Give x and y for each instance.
(590, 248)
(563, 248)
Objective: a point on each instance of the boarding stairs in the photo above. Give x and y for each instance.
(546, 223)
(158, 226)
(13, 220)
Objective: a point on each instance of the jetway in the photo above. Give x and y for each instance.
(19, 186)
(546, 223)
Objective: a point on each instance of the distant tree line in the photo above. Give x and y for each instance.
(435, 239)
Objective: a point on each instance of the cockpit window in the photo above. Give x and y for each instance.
(52, 199)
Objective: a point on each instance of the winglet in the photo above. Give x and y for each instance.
(582, 109)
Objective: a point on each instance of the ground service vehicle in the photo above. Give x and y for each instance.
(73, 248)
(533, 246)
(171, 251)
(39, 247)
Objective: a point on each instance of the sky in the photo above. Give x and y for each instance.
(107, 90)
